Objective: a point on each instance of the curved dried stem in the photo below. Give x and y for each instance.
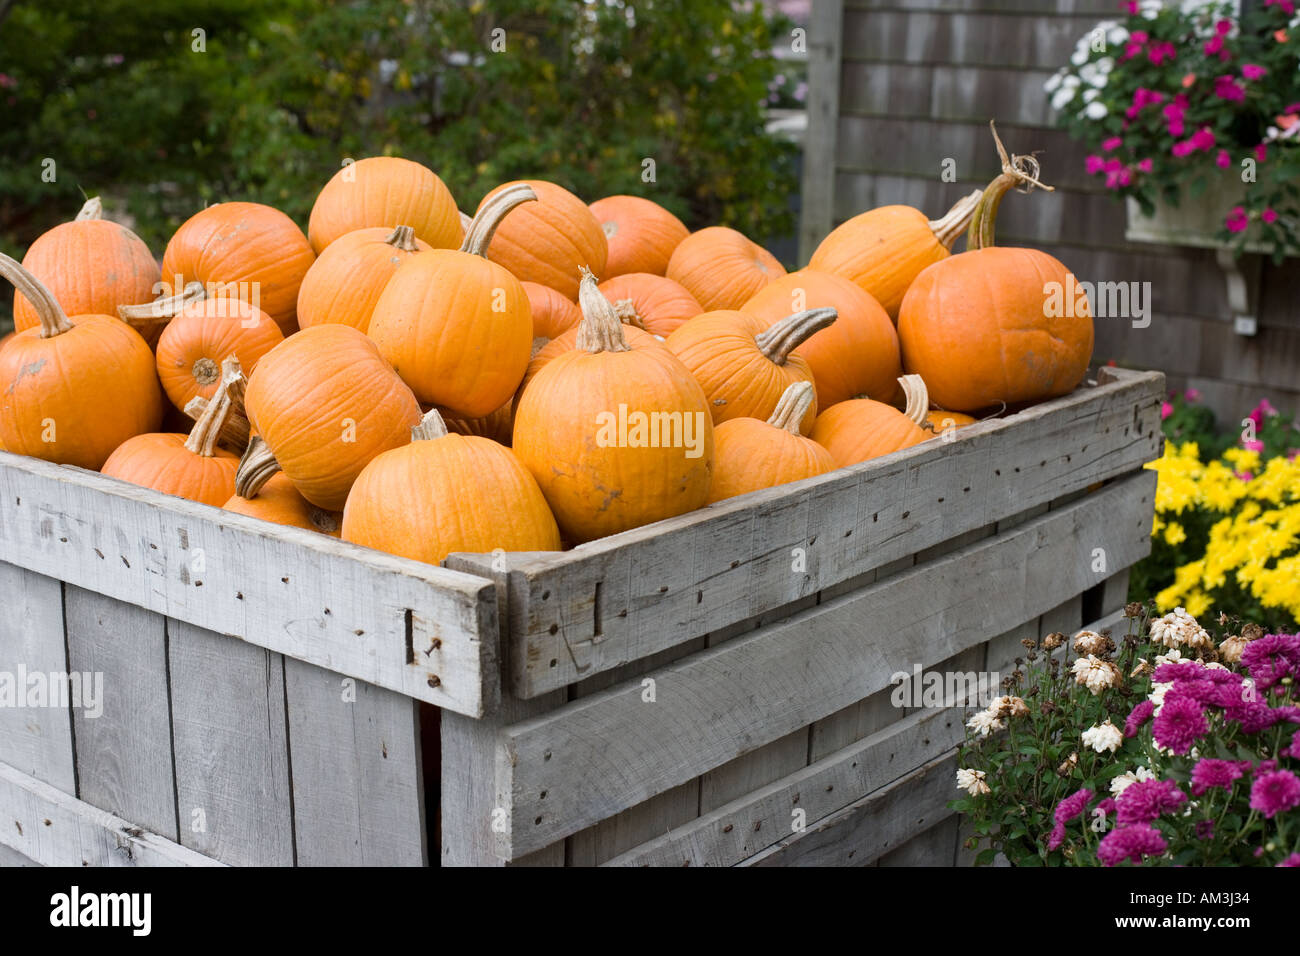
(918, 398)
(601, 328)
(256, 468)
(782, 338)
(229, 395)
(955, 221)
(431, 426)
(92, 209)
(479, 233)
(1019, 173)
(792, 406)
(54, 321)
(403, 237)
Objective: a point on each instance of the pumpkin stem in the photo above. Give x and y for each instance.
(466, 220)
(954, 222)
(93, 209)
(235, 431)
(54, 321)
(160, 311)
(601, 328)
(1018, 172)
(403, 237)
(256, 468)
(918, 398)
(479, 233)
(792, 407)
(628, 314)
(431, 426)
(785, 336)
(204, 434)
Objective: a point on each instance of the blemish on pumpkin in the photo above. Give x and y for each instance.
(30, 368)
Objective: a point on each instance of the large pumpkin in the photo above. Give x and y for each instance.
(90, 265)
(327, 402)
(244, 250)
(616, 436)
(857, 355)
(385, 192)
(456, 326)
(722, 268)
(636, 338)
(72, 390)
(884, 249)
(269, 494)
(206, 332)
(445, 492)
(344, 284)
(552, 312)
(549, 241)
(641, 234)
(862, 428)
(651, 302)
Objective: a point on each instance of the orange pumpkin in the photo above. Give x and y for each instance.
(552, 312)
(862, 428)
(884, 249)
(857, 355)
(243, 250)
(745, 364)
(568, 341)
(206, 332)
(150, 318)
(327, 402)
(90, 265)
(722, 268)
(641, 234)
(651, 302)
(344, 284)
(550, 240)
(617, 436)
(269, 494)
(750, 454)
(72, 390)
(939, 421)
(444, 493)
(457, 327)
(385, 192)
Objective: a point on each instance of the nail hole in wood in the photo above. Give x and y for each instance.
(554, 662)
(554, 629)
(435, 680)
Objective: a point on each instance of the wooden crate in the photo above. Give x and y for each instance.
(709, 690)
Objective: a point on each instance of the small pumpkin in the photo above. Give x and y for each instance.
(385, 192)
(445, 492)
(651, 302)
(73, 389)
(750, 454)
(552, 312)
(745, 364)
(90, 265)
(884, 249)
(584, 428)
(722, 268)
(641, 234)
(456, 326)
(344, 284)
(205, 332)
(938, 420)
(150, 318)
(269, 494)
(862, 428)
(327, 402)
(243, 250)
(550, 240)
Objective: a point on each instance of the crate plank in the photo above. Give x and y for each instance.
(854, 722)
(633, 827)
(330, 603)
(753, 770)
(934, 847)
(825, 29)
(13, 858)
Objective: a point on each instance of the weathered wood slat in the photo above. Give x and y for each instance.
(12, 858)
(295, 592)
(934, 847)
(1039, 42)
(825, 29)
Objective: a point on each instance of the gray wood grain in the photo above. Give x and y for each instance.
(825, 29)
(933, 847)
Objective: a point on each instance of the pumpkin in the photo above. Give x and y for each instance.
(862, 428)
(857, 355)
(150, 318)
(327, 402)
(90, 265)
(883, 250)
(651, 302)
(495, 426)
(984, 327)
(544, 351)
(616, 436)
(456, 326)
(722, 268)
(641, 234)
(243, 250)
(745, 364)
(552, 312)
(385, 192)
(750, 454)
(938, 420)
(344, 284)
(205, 332)
(188, 466)
(269, 494)
(73, 389)
(550, 240)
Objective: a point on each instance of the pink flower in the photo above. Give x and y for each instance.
(1205, 829)
(1288, 7)
(1214, 45)
(1223, 160)
(1223, 28)
(1094, 164)
(1203, 138)
(1146, 800)
(1253, 444)
(1268, 215)
(1292, 860)
(1226, 88)
(1183, 147)
(1211, 773)
(1143, 711)
(1274, 792)
(1144, 165)
(1130, 7)
(1124, 177)
(1261, 152)
(1192, 395)
(1112, 144)
(1165, 411)
(1237, 221)
(1130, 843)
(1252, 71)
(1072, 806)
(1180, 723)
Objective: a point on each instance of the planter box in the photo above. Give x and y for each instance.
(709, 690)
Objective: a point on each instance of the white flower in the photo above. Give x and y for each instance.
(1095, 674)
(1090, 94)
(1121, 783)
(984, 723)
(1096, 110)
(1117, 34)
(1178, 628)
(1053, 82)
(972, 781)
(1062, 97)
(1150, 8)
(1157, 695)
(1169, 657)
(1103, 737)
(1080, 55)
(1072, 81)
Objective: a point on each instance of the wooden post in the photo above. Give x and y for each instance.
(817, 191)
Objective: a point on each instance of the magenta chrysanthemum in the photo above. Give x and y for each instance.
(1205, 829)
(1056, 837)
(1180, 723)
(1274, 792)
(1292, 860)
(1130, 843)
(1139, 716)
(1072, 806)
(1209, 773)
(1253, 715)
(1272, 657)
(1145, 800)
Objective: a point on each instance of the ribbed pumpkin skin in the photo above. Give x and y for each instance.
(861, 429)
(249, 246)
(882, 251)
(212, 329)
(974, 327)
(96, 383)
(385, 191)
(343, 285)
(722, 268)
(552, 312)
(661, 303)
(305, 392)
(750, 454)
(436, 325)
(568, 341)
(738, 379)
(598, 489)
(92, 266)
(454, 493)
(550, 240)
(641, 234)
(280, 502)
(162, 462)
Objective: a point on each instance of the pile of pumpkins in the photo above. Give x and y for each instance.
(542, 374)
